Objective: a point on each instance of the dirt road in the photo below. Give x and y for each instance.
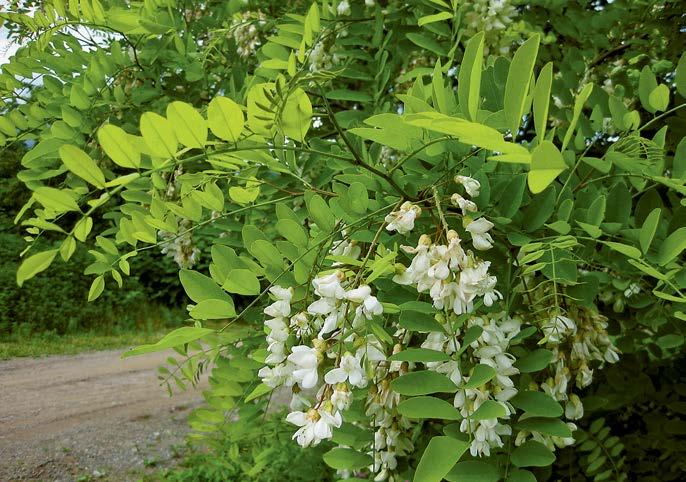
(88, 416)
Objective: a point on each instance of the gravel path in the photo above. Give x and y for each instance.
(89, 416)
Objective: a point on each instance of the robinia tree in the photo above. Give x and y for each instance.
(448, 234)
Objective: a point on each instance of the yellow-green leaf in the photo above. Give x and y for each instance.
(542, 99)
(469, 77)
(97, 288)
(225, 118)
(625, 249)
(178, 337)
(517, 84)
(78, 97)
(297, 115)
(578, 106)
(83, 228)
(158, 135)
(260, 114)
(82, 165)
(546, 164)
(33, 265)
(213, 310)
(659, 98)
(117, 145)
(56, 199)
(242, 282)
(437, 17)
(190, 127)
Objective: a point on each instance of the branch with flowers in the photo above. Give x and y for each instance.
(438, 250)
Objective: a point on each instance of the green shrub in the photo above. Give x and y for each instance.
(247, 453)
(57, 302)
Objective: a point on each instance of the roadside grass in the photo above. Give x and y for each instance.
(46, 343)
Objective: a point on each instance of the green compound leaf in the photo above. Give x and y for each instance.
(546, 164)
(536, 404)
(489, 409)
(473, 471)
(420, 355)
(518, 79)
(440, 455)
(82, 165)
(542, 100)
(341, 458)
(648, 229)
(480, 375)
(158, 135)
(423, 383)
(532, 454)
(34, 264)
(535, 361)
(428, 407)
(469, 77)
(190, 127)
(225, 118)
(117, 145)
(178, 337)
(242, 282)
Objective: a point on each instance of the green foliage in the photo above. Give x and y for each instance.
(456, 217)
(263, 454)
(56, 301)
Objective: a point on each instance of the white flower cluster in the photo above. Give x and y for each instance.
(575, 344)
(392, 438)
(322, 56)
(345, 247)
(335, 303)
(315, 424)
(490, 348)
(589, 342)
(343, 8)
(452, 277)
(246, 34)
(180, 247)
(324, 351)
(491, 17)
(339, 308)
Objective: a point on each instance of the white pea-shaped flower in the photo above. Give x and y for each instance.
(348, 370)
(306, 361)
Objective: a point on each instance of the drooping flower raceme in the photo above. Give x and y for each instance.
(490, 348)
(336, 308)
(452, 277)
(246, 33)
(585, 332)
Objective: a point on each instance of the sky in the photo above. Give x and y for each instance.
(7, 48)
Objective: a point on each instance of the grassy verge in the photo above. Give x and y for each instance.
(41, 344)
